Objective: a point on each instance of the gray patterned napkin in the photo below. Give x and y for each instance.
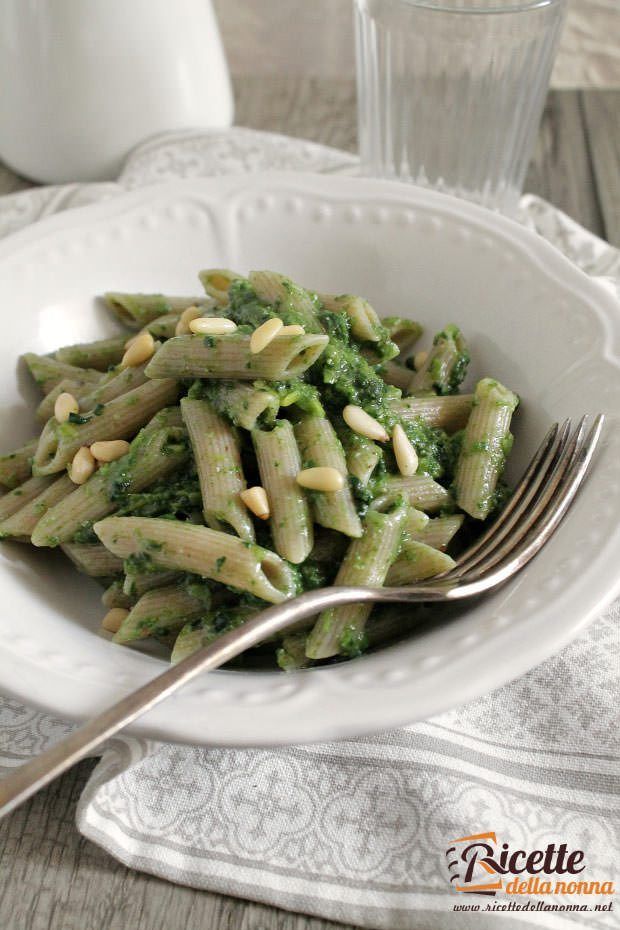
(357, 831)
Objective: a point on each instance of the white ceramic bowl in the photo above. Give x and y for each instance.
(532, 320)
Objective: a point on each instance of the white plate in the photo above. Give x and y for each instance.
(532, 320)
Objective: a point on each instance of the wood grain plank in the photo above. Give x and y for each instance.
(560, 170)
(601, 115)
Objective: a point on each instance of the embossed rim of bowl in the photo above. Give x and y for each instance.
(398, 684)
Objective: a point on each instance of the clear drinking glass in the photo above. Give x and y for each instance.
(450, 92)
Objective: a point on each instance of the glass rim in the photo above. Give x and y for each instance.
(449, 6)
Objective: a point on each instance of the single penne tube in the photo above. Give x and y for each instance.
(415, 523)
(365, 324)
(16, 466)
(405, 333)
(449, 412)
(292, 653)
(445, 365)
(12, 502)
(163, 327)
(217, 281)
(417, 562)
(486, 443)
(319, 446)
(114, 596)
(99, 355)
(229, 357)
(136, 583)
(48, 372)
(363, 455)
(21, 524)
(199, 633)
(159, 610)
(279, 463)
(245, 405)
(394, 373)
(172, 544)
(291, 301)
(439, 531)
(137, 310)
(368, 559)
(120, 419)
(113, 385)
(418, 490)
(153, 454)
(218, 460)
(93, 559)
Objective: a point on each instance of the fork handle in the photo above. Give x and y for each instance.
(40, 771)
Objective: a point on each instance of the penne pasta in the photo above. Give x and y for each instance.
(418, 491)
(22, 522)
(93, 559)
(99, 355)
(319, 446)
(368, 559)
(417, 562)
(16, 466)
(119, 419)
(445, 365)
(171, 544)
(218, 460)
(47, 372)
(486, 443)
(279, 463)
(229, 356)
(160, 610)
(19, 497)
(138, 310)
(449, 412)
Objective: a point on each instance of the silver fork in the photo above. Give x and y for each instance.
(532, 515)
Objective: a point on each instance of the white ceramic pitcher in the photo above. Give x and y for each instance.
(84, 81)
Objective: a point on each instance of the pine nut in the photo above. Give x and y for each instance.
(109, 450)
(419, 358)
(65, 405)
(255, 499)
(114, 618)
(323, 478)
(82, 466)
(141, 349)
(293, 330)
(212, 326)
(182, 327)
(263, 334)
(405, 454)
(362, 423)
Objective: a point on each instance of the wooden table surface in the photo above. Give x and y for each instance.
(50, 877)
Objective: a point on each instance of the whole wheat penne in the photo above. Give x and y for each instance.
(229, 356)
(120, 419)
(93, 559)
(439, 531)
(114, 596)
(405, 333)
(445, 365)
(486, 443)
(218, 460)
(21, 524)
(195, 635)
(363, 455)
(137, 583)
(159, 610)
(16, 466)
(279, 463)
(98, 355)
(292, 302)
(217, 281)
(114, 384)
(365, 324)
(22, 495)
(153, 454)
(449, 412)
(48, 372)
(417, 562)
(319, 446)
(292, 653)
(245, 405)
(394, 373)
(368, 559)
(418, 490)
(137, 310)
(77, 389)
(172, 544)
